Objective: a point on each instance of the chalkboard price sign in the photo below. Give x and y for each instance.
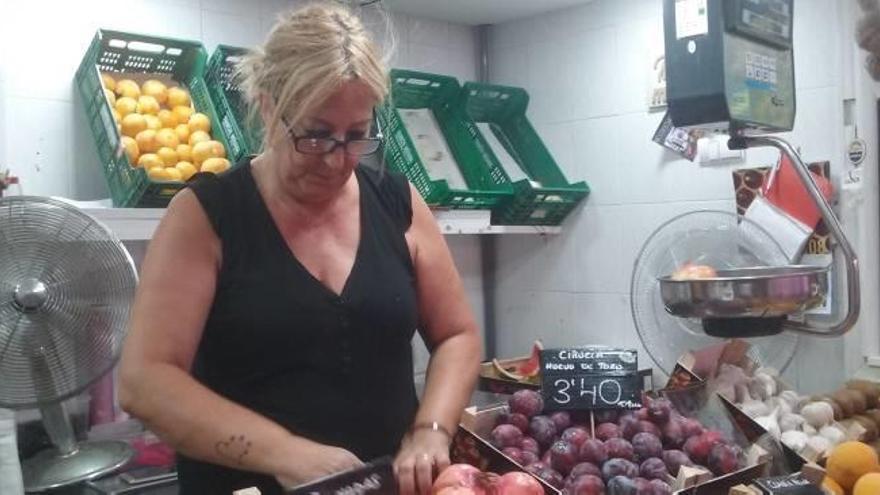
(793, 484)
(374, 478)
(590, 378)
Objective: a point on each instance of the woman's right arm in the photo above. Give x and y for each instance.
(176, 289)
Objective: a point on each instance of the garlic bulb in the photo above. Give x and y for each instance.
(791, 397)
(742, 394)
(809, 430)
(818, 414)
(790, 421)
(770, 424)
(834, 434)
(768, 382)
(819, 444)
(755, 408)
(777, 403)
(796, 440)
(758, 390)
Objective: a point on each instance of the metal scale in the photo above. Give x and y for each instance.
(730, 69)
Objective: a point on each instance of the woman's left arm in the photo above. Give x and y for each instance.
(450, 331)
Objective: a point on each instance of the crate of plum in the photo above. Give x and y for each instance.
(653, 450)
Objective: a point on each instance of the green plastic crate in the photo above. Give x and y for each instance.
(488, 185)
(504, 109)
(243, 134)
(116, 51)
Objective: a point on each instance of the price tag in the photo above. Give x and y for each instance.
(793, 484)
(590, 378)
(375, 478)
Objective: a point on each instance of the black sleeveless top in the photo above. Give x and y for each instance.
(336, 369)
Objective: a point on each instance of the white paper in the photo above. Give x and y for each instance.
(691, 18)
(432, 147)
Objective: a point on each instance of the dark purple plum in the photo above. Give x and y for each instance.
(723, 459)
(629, 426)
(691, 427)
(534, 467)
(674, 459)
(542, 429)
(529, 458)
(619, 467)
(520, 421)
(653, 468)
(643, 486)
(621, 485)
(576, 435)
(607, 431)
(515, 454)
(561, 419)
(659, 411)
(660, 488)
(526, 402)
(619, 448)
(563, 456)
(545, 458)
(504, 436)
(606, 416)
(649, 427)
(529, 444)
(584, 468)
(642, 414)
(673, 434)
(552, 478)
(586, 485)
(646, 445)
(593, 451)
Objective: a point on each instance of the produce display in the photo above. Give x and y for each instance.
(632, 452)
(464, 479)
(160, 130)
(852, 467)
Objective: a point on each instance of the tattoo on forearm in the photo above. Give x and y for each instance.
(235, 448)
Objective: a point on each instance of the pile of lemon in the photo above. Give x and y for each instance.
(161, 132)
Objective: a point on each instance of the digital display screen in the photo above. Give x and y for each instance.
(770, 18)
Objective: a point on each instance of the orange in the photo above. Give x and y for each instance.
(183, 113)
(167, 118)
(184, 152)
(187, 169)
(158, 173)
(116, 116)
(148, 104)
(153, 122)
(215, 165)
(168, 156)
(156, 89)
(830, 485)
(131, 150)
(132, 124)
(111, 97)
(182, 131)
(126, 105)
(178, 97)
(203, 150)
(108, 82)
(128, 88)
(146, 141)
(173, 173)
(198, 137)
(849, 461)
(149, 161)
(868, 484)
(167, 137)
(199, 122)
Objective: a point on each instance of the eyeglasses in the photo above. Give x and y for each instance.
(309, 145)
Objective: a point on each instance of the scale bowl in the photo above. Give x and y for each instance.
(758, 292)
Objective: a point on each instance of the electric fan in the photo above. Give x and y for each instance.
(66, 286)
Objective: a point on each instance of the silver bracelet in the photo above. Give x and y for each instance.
(433, 426)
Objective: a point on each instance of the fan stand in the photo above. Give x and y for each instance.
(69, 462)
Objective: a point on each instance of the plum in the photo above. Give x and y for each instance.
(723, 459)
(593, 450)
(673, 434)
(653, 468)
(546, 457)
(563, 456)
(529, 444)
(552, 478)
(606, 416)
(515, 454)
(646, 445)
(529, 457)
(534, 467)
(576, 435)
(629, 426)
(642, 414)
(561, 419)
(584, 468)
(659, 411)
(526, 402)
(619, 448)
(543, 430)
(643, 486)
(714, 436)
(660, 487)
(606, 431)
(691, 427)
(674, 459)
(698, 448)
(587, 484)
(619, 467)
(648, 427)
(504, 436)
(518, 420)
(621, 485)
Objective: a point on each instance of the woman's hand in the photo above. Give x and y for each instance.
(423, 454)
(315, 463)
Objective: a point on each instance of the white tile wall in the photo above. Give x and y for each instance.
(586, 70)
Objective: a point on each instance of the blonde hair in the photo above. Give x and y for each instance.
(308, 53)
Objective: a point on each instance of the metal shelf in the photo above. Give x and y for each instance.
(134, 224)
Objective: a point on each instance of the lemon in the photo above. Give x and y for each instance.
(126, 105)
(158, 173)
(153, 122)
(184, 152)
(167, 137)
(111, 97)
(148, 105)
(108, 82)
(168, 156)
(132, 124)
(146, 141)
(131, 150)
(156, 89)
(115, 114)
(182, 131)
(128, 88)
(167, 118)
(149, 161)
(198, 137)
(178, 97)
(199, 122)
(186, 169)
(183, 113)
(215, 165)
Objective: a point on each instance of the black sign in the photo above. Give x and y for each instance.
(792, 484)
(375, 478)
(590, 378)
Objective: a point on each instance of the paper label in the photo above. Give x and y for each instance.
(691, 18)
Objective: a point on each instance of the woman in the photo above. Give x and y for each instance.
(270, 336)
